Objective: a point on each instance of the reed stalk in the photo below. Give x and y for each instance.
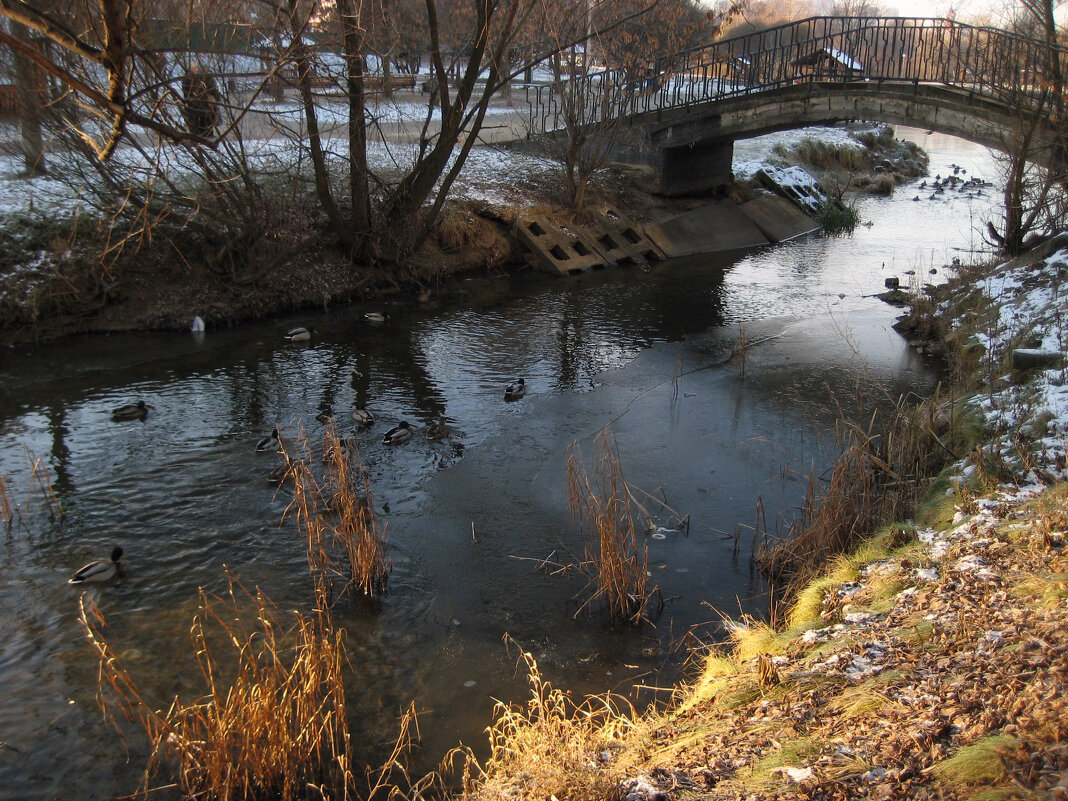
(272, 721)
(615, 566)
(740, 352)
(40, 495)
(7, 514)
(344, 537)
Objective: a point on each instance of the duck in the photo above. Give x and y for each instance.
(284, 470)
(376, 318)
(268, 444)
(99, 571)
(347, 450)
(516, 390)
(131, 411)
(363, 418)
(402, 432)
(437, 430)
(299, 334)
(278, 474)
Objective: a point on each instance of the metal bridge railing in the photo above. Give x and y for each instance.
(1007, 67)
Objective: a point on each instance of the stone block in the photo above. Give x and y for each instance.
(778, 219)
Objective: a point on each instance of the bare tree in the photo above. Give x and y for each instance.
(122, 85)
(1034, 157)
(609, 54)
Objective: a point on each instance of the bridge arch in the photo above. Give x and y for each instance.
(691, 150)
(983, 84)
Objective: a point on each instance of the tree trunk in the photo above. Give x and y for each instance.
(315, 142)
(30, 88)
(358, 184)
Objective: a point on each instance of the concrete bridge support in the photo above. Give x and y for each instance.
(693, 168)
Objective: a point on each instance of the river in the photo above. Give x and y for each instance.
(469, 519)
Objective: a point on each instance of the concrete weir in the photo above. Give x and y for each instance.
(566, 248)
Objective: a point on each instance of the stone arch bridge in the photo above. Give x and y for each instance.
(684, 112)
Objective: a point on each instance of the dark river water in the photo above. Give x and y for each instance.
(469, 518)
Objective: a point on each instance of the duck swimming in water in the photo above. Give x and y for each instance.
(299, 334)
(401, 432)
(131, 411)
(515, 391)
(437, 430)
(376, 318)
(268, 444)
(363, 418)
(99, 571)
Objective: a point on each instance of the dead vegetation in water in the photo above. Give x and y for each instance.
(334, 512)
(7, 513)
(270, 719)
(271, 722)
(615, 565)
(41, 498)
(882, 470)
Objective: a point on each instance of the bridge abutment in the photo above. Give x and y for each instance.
(693, 168)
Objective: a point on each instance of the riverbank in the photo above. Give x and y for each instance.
(928, 663)
(54, 280)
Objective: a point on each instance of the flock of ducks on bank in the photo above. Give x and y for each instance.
(106, 569)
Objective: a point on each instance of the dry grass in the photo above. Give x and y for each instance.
(271, 723)
(344, 537)
(7, 514)
(881, 473)
(552, 747)
(40, 496)
(616, 567)
(41, 489)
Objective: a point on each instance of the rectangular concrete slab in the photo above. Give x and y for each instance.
(777, 218)
(716, 227)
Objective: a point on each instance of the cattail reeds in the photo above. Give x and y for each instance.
(271, 722)
(615, 566)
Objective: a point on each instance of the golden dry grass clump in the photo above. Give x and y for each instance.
(271, 722)
(551, 747)
(334, 512)
(616, 567)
